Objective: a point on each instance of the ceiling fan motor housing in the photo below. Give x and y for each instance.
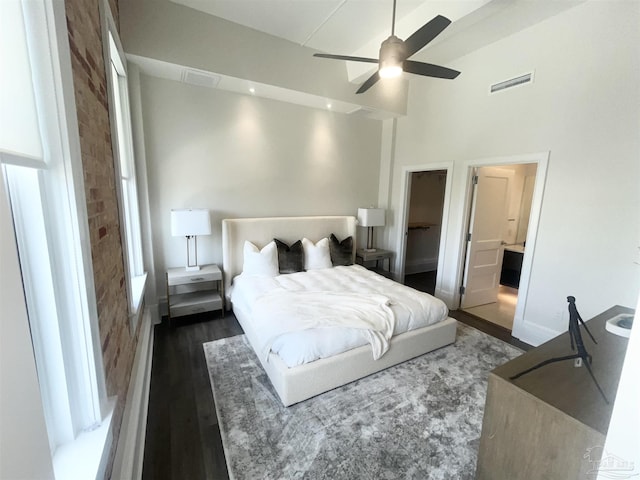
(392, 54)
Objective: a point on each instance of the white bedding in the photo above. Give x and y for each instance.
(410, 309)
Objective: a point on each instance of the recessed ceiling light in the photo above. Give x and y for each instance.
(252, 90)
(329, 106)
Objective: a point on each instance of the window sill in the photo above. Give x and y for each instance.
(138, 285)
(86, 457)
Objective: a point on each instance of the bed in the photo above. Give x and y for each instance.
(295, 382)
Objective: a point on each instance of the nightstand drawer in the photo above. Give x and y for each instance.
(183, 277)
(191, 292)
(196, 302)
(183, 288)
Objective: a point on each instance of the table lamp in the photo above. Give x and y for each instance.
(189, 223)
(370, 217)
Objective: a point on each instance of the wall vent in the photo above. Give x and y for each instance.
(200, 78)
(512, 82)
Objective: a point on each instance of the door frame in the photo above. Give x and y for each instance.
(471, 234)
(542, 161)
(405, 195)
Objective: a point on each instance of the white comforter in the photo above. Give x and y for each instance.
(304, 343)
(280, 312)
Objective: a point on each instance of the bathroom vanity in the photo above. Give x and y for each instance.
(512, 265)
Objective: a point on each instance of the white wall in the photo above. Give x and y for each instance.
(243, 156)
(584, 109)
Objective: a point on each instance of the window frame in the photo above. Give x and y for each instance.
(124, 164)
(68, 353)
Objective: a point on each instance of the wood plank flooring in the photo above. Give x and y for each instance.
(183, 438)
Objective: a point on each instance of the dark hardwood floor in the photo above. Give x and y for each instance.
(489, 328)
(423, 281)
(426, 282)
(183, 439)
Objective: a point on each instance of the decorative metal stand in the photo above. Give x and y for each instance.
(582, 356)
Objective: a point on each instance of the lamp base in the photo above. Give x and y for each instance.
(192, 268)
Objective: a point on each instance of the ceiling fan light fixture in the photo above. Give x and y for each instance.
(391, 71)
(392, 54)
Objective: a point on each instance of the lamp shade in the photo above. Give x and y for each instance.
(189, 222)
(371, 217)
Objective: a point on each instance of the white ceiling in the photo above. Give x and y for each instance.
(335, 26)
(357, 27)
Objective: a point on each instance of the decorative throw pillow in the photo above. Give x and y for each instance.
(290, 258)
(263, 262)
(316, 256)
(341, 252)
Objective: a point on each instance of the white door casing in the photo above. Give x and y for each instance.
(400, 240)
(485, 251)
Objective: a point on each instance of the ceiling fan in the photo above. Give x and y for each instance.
(394, 54)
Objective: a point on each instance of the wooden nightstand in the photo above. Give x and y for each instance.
(362, 256)
(195, 291)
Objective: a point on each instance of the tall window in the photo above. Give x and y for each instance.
(125, 166)
(39, 153)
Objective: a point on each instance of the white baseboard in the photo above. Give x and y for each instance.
(532, 333)
(130, 450)
(154, 310)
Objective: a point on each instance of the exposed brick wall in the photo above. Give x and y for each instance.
(90, 85)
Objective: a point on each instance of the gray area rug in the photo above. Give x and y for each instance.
(418, 420)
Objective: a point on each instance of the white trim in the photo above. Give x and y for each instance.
(61, 215)
(87, 456)
(405, 192)
(73, 164)
(535, 334)
(525, 332)
(138, 286)
(130, 450)
(69, 145)
(137, 131)
(20, 159)
(128, 201)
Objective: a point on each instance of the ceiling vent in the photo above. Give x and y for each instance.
(512, 82)
(200, 78)
(361, 112)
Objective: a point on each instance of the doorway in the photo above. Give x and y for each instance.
(424, 228)
(499, 214)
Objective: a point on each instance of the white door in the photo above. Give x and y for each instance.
(489, 210)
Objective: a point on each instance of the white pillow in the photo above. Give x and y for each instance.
(316, 256)
(263, 262)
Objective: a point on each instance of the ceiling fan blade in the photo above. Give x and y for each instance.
(345, 57)
(425, 34)
(429, 70)
(369, 83)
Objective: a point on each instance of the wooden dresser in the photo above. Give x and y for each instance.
(541, 425)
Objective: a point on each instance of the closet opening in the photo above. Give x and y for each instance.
(423, 229)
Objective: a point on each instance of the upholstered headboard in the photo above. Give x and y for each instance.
(261, 231)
